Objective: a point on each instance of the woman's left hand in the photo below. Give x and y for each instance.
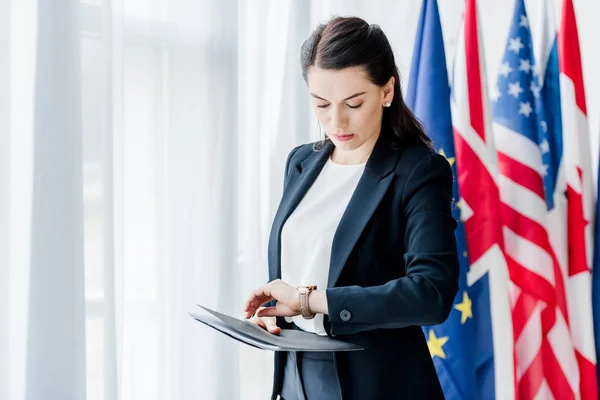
(288, 303)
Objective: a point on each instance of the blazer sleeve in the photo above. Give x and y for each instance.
(424, 296)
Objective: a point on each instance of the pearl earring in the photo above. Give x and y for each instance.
(387, 104)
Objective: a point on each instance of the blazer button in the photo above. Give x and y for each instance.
(345, 315)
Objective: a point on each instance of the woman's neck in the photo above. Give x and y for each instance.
(359, 155)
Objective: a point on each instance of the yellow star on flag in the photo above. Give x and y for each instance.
(458, 205)
(465, 308)
(435, 344)
(450, 160)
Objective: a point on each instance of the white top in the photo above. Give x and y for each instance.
(307, 235)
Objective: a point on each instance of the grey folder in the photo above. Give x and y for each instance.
(287, 340)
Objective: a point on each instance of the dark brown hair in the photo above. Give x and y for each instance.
(344, 42)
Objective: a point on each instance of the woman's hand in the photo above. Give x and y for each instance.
(286, 295)
(268, 323)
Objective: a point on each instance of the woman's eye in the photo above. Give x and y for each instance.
(327, 105)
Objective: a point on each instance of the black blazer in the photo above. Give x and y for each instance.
(394, 267)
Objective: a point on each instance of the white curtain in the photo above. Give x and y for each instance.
(142, 145)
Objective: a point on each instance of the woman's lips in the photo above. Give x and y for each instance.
(344, 137)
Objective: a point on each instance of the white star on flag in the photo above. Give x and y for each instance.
(544, 126)
(515, 44)
(537, 70)
(544, 169)
(544, 146)
(535, 89)
(515, 89)
(524, 65)
(523, 21)
(525, 109)
(495, 93)
(505, 69)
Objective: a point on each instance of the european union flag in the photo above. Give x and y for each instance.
(461, 347)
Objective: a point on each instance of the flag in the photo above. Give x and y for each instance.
(546, 366)
(477, 176)
(596, 279)
(545, 50)
(451, 343)
(580, 208)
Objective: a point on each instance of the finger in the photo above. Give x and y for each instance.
(267, 312)
(260, 299)
(263, 293)
(249, 307)
(249, 302)
(254, 302)
(253, 308)
(251, 317)
(259, 322)
(279, 310)
(272, 327)
(254, 298)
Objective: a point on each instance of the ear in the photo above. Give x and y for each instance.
(388, 90)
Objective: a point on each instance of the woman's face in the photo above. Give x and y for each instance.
(348, 106)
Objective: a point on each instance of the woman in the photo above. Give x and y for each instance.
(366, 218)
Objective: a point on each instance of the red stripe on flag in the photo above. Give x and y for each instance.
(530, 282)
(587, 372)
(569, 56)
(548, 319)
(521, 174)
(555, 377)
(473, 70)
(521, 313)
(531, 381)
(525, 227)
(535, 233)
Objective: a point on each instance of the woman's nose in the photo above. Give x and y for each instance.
(338, 119)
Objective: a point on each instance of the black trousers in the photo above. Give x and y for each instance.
(309, 376)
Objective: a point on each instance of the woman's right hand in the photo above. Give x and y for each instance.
(267, 323)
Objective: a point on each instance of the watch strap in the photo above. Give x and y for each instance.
(303, 293)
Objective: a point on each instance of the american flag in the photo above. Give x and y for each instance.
(477, 175)
(544, 356)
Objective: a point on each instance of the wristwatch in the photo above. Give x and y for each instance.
(303, 292)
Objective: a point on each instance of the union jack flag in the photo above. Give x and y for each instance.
(477, 176)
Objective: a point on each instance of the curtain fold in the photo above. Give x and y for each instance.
(4, 191)
(112, 192)
(56, 314)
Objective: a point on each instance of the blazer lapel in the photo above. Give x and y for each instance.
(302, 177)
(371, 188)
